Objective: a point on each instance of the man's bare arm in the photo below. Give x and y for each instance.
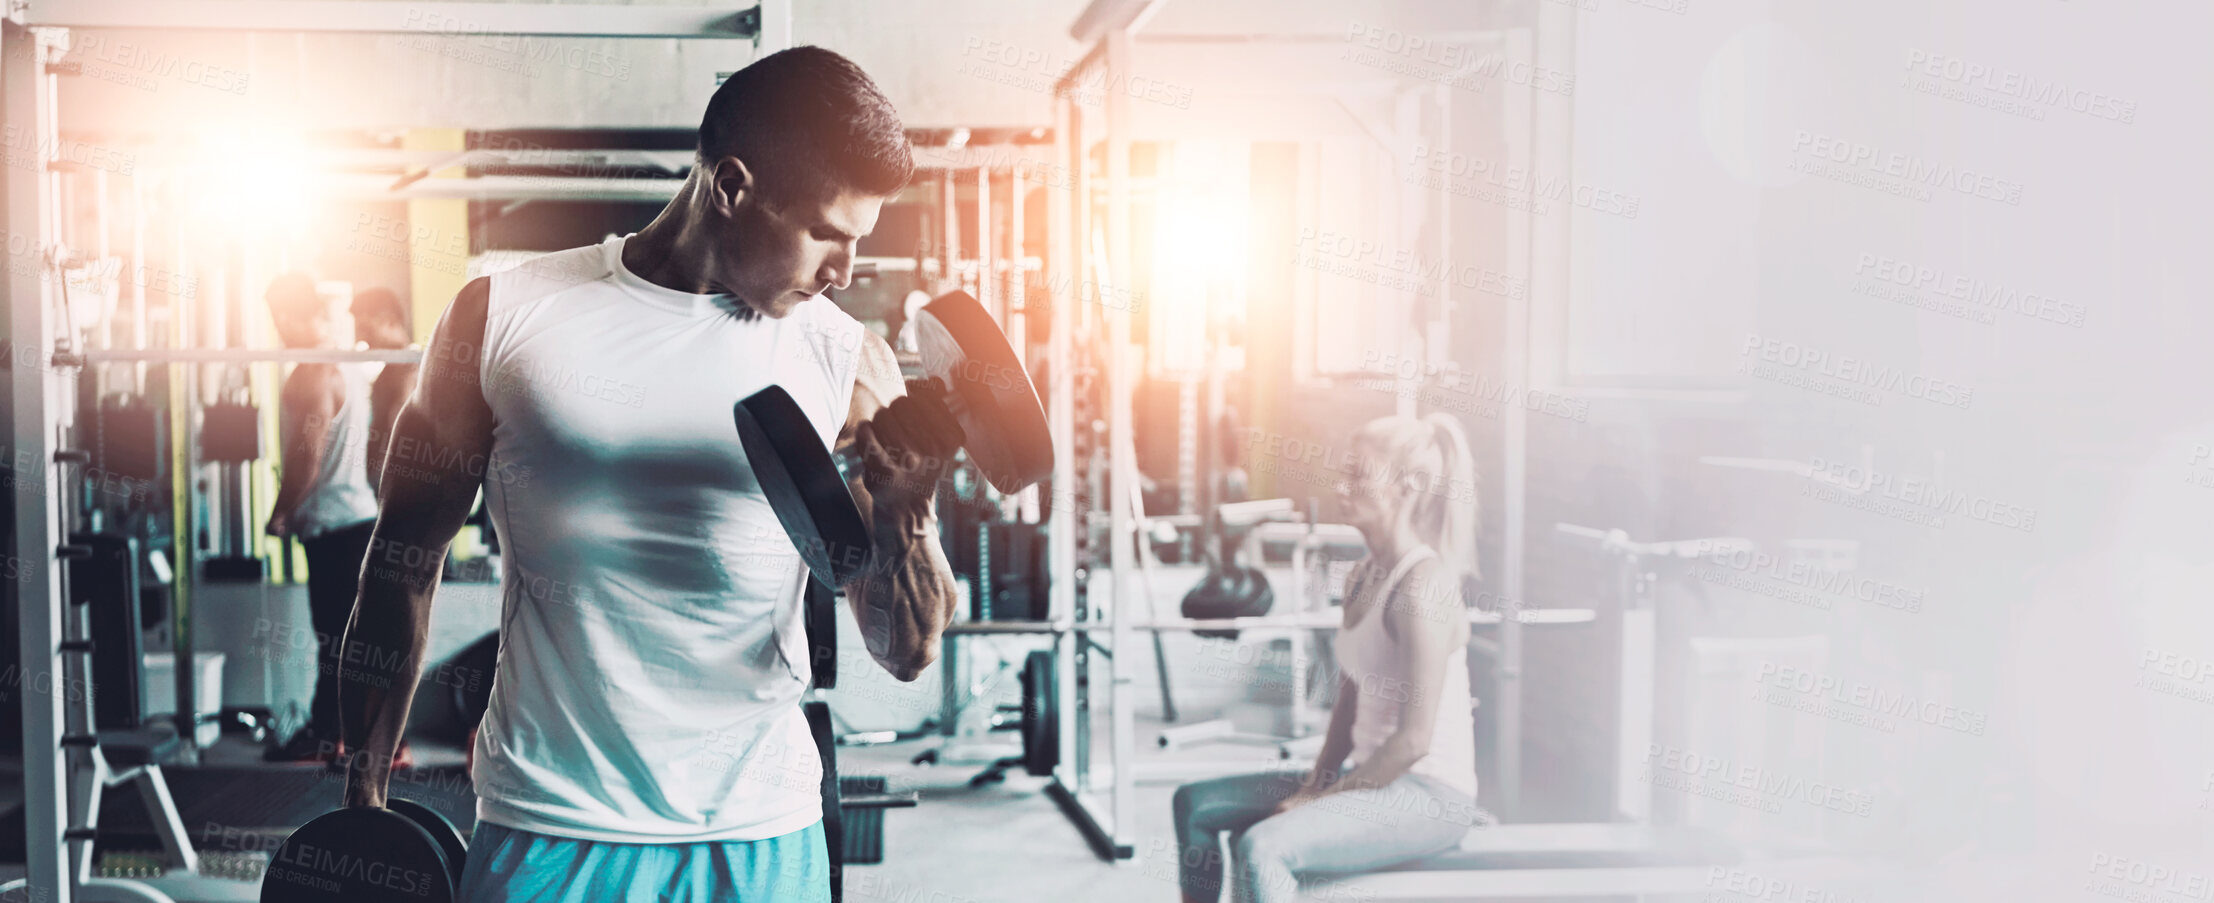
(423, 507)
(906, 597)
(311, 398)
(386, 396)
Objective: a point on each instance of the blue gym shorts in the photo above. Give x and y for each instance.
(507, 865)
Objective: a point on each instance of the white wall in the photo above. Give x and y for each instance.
(946, 62)
(445, 77)
(2064, 621)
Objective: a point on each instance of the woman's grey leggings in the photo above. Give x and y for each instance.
(1354, 831)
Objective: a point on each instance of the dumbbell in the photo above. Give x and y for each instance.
(971, 378)
(405, 851)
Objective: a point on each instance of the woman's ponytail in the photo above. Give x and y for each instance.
(1457, 529)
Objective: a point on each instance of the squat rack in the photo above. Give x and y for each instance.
(1101, 262)
(46, 356)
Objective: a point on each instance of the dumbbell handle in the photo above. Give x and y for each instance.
(938, 401)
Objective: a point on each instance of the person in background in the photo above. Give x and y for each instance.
(323, 494)
(381, 322)
(1402, 714)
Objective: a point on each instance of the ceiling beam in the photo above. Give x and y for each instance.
(371, 17)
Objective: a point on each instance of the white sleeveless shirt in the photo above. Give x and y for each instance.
(651, 651)
(1380, 669)
(339, 496)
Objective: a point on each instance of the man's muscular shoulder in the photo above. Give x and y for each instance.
(447, 375)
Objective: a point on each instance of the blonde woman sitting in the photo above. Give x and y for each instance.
(1402, 714)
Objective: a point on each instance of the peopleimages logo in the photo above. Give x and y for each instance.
(1727, 780)
(29, 152)
(139, 64)
(2011, 84)
(483, 45)
(1861, 379)
(1896, 172)
(1977, 293)
(2176, 674)
(1277, 453)
(1454, 65)
(1924, 495)
(1468, 392)
(2133, 878)
(1722, 562)
(1032, 69)
(1395, 267)
(1884, 704)
(2199, 470)
(1751, 885)
(1516, 182)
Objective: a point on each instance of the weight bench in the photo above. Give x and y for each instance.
(103, 749)
(1570, 860)
(112, 757)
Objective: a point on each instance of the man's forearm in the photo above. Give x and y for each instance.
(284, 503)
(379, 447)
(906, 597)
(382, 658)
(302, 461)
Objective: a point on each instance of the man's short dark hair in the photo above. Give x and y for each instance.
(807, 122)
(380, 302)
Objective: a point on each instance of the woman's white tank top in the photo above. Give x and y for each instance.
(1379, 668)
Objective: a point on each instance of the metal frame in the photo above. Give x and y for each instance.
(403, 178)
(368, 17)
(43, 394)
(256, 356)
(1063, 209)
(44, 409)
(1514, 480)
(963, 742)
(1110, 29)
(507, 188)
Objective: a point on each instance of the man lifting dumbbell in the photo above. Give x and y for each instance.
(644, 736)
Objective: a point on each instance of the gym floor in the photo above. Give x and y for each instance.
(930, 852)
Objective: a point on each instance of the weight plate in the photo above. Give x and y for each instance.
(358, 855)
(440, 829)
(803, 485)
(962, 347)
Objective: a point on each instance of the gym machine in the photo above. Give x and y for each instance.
(1097, 249)
(1510, 860)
